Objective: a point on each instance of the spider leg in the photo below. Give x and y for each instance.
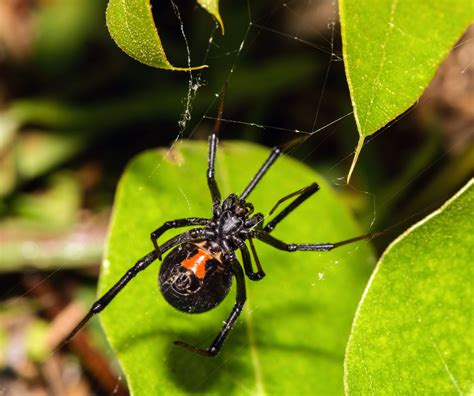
(141, 264)
(275, 153)
(211, 181)
(302, 195)
(213, 142)
(241, 296)
(255, 276)
(255, 221)
(220, 111)
(293, 247)
(191, 221)
(257, 260)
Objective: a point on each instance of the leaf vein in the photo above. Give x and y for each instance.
(446, 368)
(253, 353)
(382, 62)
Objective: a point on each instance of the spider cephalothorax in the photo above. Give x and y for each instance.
(235, 217)
(197, 274)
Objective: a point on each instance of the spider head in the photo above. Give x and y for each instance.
(193, 280)
(237, 206)
(243, 209)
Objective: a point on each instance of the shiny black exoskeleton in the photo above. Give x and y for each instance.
(193, 277)
(194, 280)
(197, 274)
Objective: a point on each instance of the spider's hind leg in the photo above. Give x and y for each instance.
(130, 274)
(254, 276)
(308, 247)
(241, 296)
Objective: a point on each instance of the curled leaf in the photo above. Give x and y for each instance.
(131, 25)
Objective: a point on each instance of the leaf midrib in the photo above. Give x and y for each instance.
(223, 171)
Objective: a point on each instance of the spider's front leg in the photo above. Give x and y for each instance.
(191, 221)
(241, 296)
(211, 179)
(301, 196)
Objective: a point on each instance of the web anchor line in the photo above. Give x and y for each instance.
(269, 127)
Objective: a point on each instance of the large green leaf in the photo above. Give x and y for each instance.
(131, 25)
(392, 49)
(294, 328)
(413, 330)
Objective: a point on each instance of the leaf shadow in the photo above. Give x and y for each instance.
(190, 372)
(288, 312)
(196, 374)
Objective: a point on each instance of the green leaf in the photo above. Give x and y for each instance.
(392, 49)
(292, 334)
(212, 7)
(413, 329)
(131, 25)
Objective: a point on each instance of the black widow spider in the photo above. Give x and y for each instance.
(197, 274)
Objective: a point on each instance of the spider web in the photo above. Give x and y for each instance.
(323, 40)
(314, 129)
(325, 36)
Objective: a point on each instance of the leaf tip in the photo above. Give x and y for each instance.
(357, 151)
(221, 23)
(212, 7)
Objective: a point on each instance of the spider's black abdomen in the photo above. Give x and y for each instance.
(193, 280)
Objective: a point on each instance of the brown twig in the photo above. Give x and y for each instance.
(52, 302)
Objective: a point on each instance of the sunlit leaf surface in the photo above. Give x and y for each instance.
(292, 334)
(131, 25)
(413, 331)
(392, 49)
